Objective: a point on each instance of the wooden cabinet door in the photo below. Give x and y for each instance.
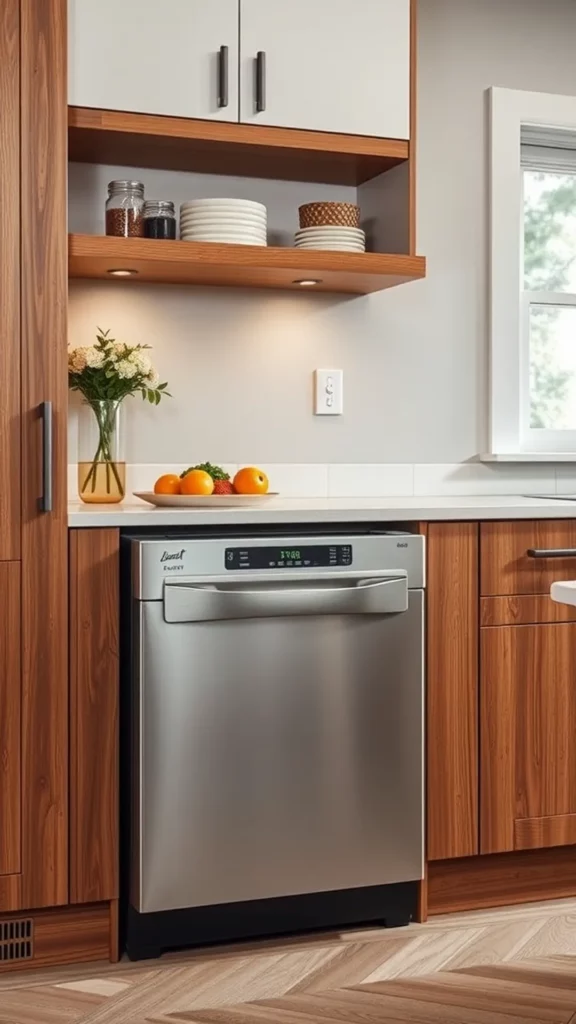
(10, 720)
(327, 65)
(155, 56)
(44, 280)
(527, 737)
(10, 278)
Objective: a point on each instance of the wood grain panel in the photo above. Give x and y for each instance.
(10, 718)
(213, 147)
(505, 568)
(67, 935)
(94, 697)
(114, 938)
(44, 378)
(10, 279)
(10, 893)
(452, 685)
(523, 610)
(528, 724)
(244, 266)
(525, 876)
(538, 833)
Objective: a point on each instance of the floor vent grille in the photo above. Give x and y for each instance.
(16, 940)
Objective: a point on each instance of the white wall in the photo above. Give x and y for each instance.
(414, 358)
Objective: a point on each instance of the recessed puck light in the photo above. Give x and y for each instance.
(122, 273)
(307, 283)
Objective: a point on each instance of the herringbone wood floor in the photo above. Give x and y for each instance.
(494, 967)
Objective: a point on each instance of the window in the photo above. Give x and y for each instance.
(533, 274)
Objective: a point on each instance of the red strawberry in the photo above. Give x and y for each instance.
(223, 487)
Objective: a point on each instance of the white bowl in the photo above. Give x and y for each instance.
(248, 204)
(224, 229)
(327, 232)
(332, 241)
(250, 222)
(224, 233)
(333, 246)
(210, 236)
(227, 241)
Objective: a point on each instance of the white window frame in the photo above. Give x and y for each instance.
(510, 110)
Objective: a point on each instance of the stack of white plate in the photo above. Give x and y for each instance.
(237, 221)
(331, 236)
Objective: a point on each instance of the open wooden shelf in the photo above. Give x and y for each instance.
(244, 266)
(216, 147)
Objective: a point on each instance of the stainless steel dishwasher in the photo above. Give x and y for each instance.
(277, 730)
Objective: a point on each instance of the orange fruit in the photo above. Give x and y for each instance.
(197, 482)
(167, 484)
(251, 480)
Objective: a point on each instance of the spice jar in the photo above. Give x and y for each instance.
(125, 209)
(159, 219)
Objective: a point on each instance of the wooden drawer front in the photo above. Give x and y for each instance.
(505, 566)
(523, 610)
(538, 833)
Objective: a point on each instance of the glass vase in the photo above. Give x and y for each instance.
(101, 465)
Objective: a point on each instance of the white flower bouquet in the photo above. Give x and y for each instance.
(105, 374)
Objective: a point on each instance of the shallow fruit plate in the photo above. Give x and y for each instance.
(204, 500)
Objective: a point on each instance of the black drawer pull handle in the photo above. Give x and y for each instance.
(45, 500)
(551, 552)
(260, 82)
(223, 77)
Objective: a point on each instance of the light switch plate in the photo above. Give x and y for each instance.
(328, 392)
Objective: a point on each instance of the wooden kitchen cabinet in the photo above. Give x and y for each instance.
(10, 719)
(527, 729)
(10, 279)
(155, 56)
(330, 65)
(452, 690)
(44, 363)
(94, 712)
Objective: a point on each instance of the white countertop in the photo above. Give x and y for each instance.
(326, 510)
(564, 592)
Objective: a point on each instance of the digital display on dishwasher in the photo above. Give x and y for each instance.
(292, 556)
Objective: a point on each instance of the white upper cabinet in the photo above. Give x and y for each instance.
(326, 65)
(175, 57)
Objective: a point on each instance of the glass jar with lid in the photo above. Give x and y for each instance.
(125, 209)
(159, 219)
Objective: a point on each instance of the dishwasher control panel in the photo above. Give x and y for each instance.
(291, 556)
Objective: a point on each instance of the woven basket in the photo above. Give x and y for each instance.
(314, 215)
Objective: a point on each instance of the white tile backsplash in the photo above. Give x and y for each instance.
(459, 479)
(370, 481)
(308, 480)
(566, 479)
(380, 480)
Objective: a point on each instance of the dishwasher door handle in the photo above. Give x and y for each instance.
(207, 603)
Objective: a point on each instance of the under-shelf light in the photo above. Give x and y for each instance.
(122, 273)
(307, 283)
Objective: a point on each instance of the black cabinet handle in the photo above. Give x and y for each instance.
(551, 552)
(223, 77)
(45, 502)
(260, 82)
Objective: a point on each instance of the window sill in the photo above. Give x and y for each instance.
(530, 457)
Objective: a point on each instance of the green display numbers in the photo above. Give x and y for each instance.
(290, 556)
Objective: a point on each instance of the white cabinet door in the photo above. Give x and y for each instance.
(328, 65)
(155, 56)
